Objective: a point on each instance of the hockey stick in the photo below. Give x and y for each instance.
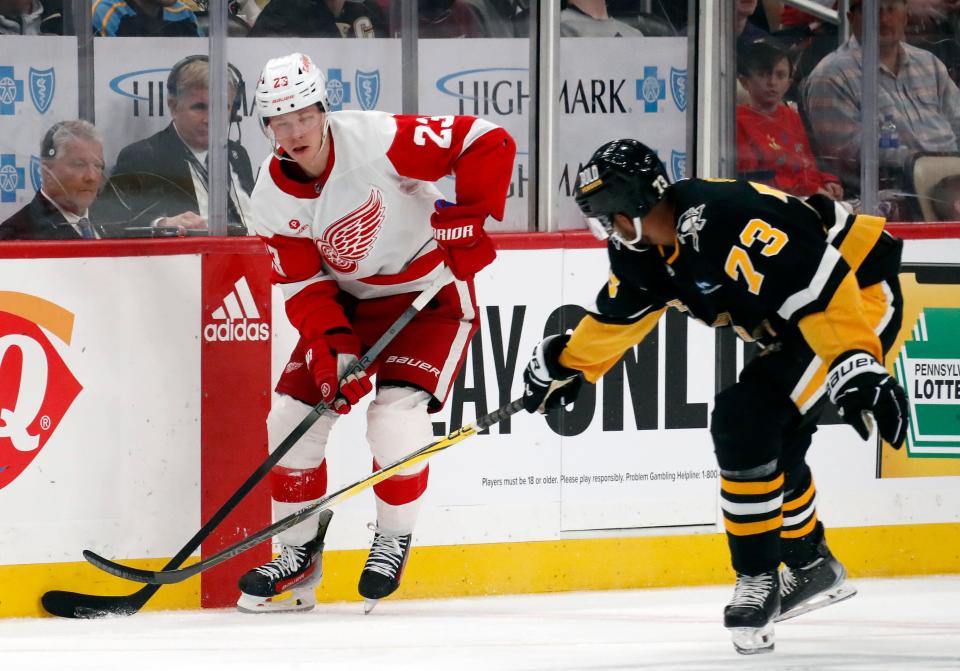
(79, 605)
(169, 577)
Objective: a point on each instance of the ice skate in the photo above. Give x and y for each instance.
(751, 612)
(815, 585)
(287, 583)
(384, 568)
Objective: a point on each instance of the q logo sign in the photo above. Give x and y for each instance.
(36, 387)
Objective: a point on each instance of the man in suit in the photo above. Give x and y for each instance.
(72, 170)
(163, 179)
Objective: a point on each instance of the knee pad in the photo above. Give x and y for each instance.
(285, 415)
(398, 423)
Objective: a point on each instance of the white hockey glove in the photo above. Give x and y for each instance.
(546, 383)
(864, 392)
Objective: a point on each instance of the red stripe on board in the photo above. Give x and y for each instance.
(938, 231)
(234, 401)
(58, 249)
(578, 239)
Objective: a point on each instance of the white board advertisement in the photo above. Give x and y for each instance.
(641, 461)
(100, 385)
(38, 87)
(609, 89)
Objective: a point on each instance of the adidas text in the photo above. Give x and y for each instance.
(230, 331)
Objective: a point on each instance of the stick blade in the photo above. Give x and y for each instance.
(78, 606)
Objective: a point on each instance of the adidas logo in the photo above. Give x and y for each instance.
(239, 317)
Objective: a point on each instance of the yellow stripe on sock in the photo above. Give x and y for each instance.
(801, 501)
(737, 487)
(753, 528)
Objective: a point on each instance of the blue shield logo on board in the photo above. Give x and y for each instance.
(368, 88)
(678, 165)
(36, 176)
(42, 85)
(678, 87)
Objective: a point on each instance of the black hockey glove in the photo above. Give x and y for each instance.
(863, 391)
(547, 384)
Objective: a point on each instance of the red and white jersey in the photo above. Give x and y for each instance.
(363, 227)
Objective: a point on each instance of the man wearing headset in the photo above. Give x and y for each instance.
(72, 171)
(357, 229)
(163, 179)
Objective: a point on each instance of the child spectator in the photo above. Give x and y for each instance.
(772, 145)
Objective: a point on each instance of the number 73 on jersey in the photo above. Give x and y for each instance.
(772, 240)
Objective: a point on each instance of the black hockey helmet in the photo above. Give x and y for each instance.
(622, 176)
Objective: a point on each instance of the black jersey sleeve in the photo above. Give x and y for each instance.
(623, 314)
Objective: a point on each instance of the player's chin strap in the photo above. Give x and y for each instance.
(633, 244)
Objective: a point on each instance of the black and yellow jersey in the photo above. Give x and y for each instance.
(748, 257)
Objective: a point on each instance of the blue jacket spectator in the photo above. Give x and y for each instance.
(144, 18)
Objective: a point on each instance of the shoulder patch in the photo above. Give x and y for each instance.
(689, 225)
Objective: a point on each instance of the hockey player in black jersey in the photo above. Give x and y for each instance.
(814, 287)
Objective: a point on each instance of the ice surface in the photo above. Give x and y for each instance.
(906, 624)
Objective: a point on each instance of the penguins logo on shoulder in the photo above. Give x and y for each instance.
(689, 225)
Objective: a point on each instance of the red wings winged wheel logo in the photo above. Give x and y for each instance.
(349, 239)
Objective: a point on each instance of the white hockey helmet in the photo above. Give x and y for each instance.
(290, 83)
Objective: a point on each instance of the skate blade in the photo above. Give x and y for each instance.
(369, 605)
(294, 601)
(753, 640)
(836, 595)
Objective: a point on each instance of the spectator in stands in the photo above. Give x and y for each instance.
(143, 18)
(163, 180)
(945, 196)
(934, 25)
(71, 155)
(320, 18)
(448, 19)
(772, 145)
(653, 18)
(31, 17)
(590, 18)
(916, 93)
(748, 31)
(496, 17)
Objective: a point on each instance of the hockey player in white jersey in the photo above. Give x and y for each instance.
(347, 206)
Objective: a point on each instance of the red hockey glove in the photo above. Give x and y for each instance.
(329, 358)
(458, 231)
